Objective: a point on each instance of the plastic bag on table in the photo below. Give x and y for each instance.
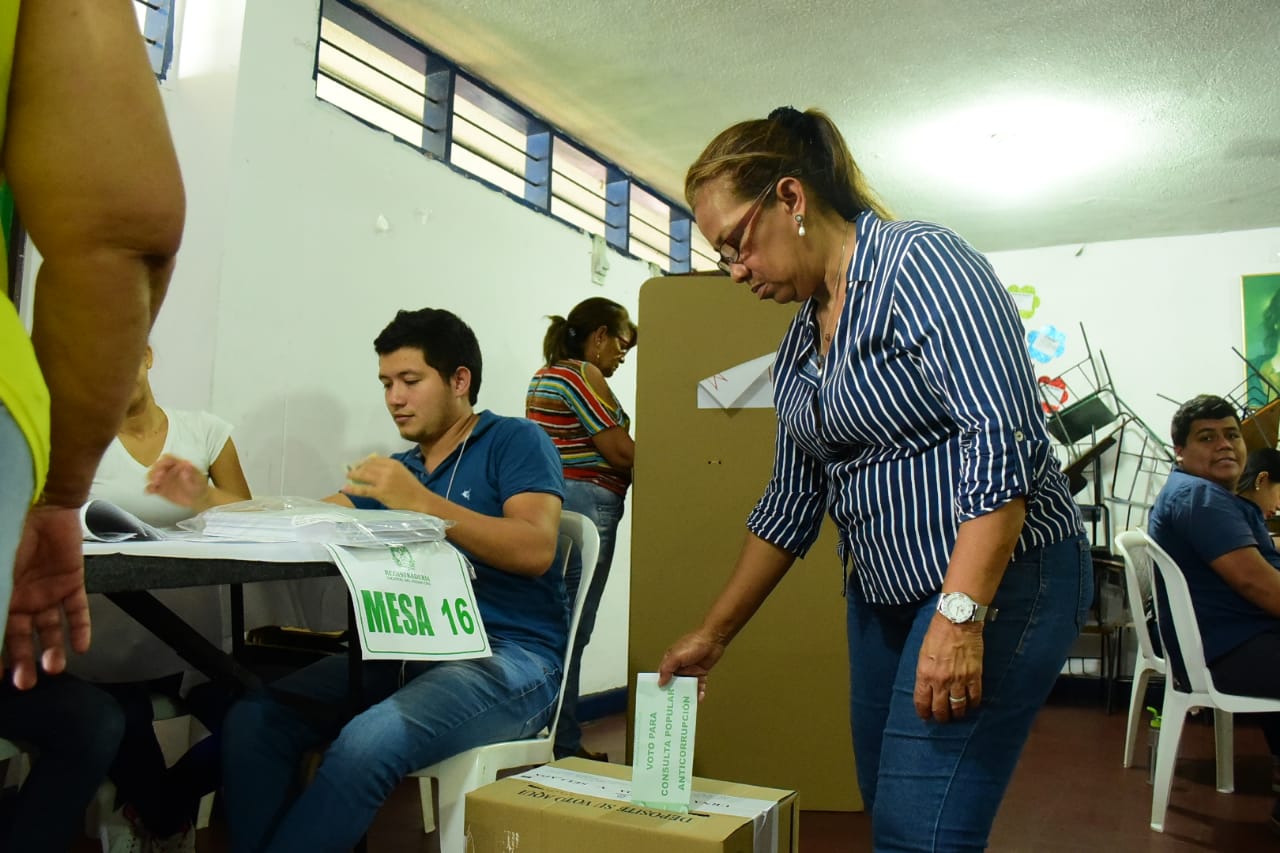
(290, 519)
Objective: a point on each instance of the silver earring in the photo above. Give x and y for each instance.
(1177, 458)
(800, 222)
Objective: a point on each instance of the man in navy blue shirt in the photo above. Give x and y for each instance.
(499, 481)
(1221, 543)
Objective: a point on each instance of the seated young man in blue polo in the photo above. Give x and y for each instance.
(499, 481)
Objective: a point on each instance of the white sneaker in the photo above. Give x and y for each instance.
(183, 841)
(119, 834)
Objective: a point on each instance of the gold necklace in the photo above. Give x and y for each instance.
(834, 310)
(834, 314)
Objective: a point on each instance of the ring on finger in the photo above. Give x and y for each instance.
(957, 700)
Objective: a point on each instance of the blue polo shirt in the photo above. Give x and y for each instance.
(1197, 521)
(503, 457)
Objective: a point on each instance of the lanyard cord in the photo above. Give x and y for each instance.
(462, 449)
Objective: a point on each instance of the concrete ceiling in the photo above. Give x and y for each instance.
(1017, 123)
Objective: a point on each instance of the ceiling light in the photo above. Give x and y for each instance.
(1018, 148)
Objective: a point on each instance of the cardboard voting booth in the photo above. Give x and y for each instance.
(579, 805)
(777, 705)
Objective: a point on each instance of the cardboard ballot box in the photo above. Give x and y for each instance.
(579, 805)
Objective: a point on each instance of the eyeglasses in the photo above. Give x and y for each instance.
(730, 247)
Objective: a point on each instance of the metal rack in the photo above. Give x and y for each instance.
(1097, 432)
(1100, 429)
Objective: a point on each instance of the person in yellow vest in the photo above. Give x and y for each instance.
(81, 104)
(88, 158)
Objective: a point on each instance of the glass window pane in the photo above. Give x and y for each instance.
(648, 208)
(464, 107)
(569, 213)
(640, 250)
(579, 180)
(368, 109)
(703, 257)
(372, 82)
(357, 47)
(488, 147)
(646, 233)
(482, 168)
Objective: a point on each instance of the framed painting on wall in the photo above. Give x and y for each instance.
(1261, 298)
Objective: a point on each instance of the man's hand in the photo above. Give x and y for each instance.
(48, 582)
(179, 481)
(388, 481)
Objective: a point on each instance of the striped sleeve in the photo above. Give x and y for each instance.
(951, 308)
(789, 513)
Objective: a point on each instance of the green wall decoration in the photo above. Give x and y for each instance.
(1261, 298)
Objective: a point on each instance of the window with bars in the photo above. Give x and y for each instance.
(702, 258)
(393, 83)
(155, 20)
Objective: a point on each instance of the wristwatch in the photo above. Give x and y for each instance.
(959, 608)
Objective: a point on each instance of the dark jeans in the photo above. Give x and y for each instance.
(604, 509)
(72, 729)
(937, 786)
(443, 708)
(166, 798)
(1250, 670)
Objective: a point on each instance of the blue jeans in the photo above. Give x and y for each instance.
(604, 508)
(74, 729)
(17, 482)
(937, 786)
(443, 709)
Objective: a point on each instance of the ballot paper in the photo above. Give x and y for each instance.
(744, 386)
(666, 723)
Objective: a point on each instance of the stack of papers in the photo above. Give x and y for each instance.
(315, 521)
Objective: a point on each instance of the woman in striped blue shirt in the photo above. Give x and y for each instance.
(907, 410)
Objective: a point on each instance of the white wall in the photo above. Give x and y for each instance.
(200, 101)
(1165, 311)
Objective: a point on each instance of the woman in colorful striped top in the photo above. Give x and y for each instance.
(570, 398)
(907, 411)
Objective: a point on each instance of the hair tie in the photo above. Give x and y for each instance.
(572, 333)
(789, 117)
(802, 125)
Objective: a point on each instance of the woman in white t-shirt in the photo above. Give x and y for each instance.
(163, 466)
(167, 466)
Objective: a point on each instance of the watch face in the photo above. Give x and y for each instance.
(958, 608)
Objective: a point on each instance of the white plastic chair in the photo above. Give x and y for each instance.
(479, 766)
(1132, 545)
(1202, 692)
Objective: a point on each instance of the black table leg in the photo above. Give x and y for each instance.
(189, 643)
(355, 657)
(237, 621)
(355, 682)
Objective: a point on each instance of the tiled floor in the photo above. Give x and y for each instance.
(1069, 794)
